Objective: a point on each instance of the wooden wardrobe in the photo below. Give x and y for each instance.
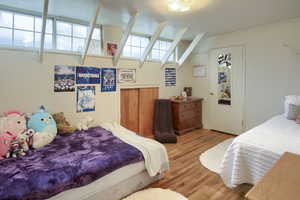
(137, 109)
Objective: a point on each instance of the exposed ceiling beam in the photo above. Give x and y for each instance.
(90, 32)
(124, 38)
(44, 23)
(189, 50)
(154, 37)
(173, 46)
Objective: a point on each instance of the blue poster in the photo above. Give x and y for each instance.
(170, 77)
(87, 75)
(86, 98)
(108, 80)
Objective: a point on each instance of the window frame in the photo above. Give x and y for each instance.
(54, 34)
(150, 54)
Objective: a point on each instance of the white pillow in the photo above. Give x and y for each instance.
(292, 99)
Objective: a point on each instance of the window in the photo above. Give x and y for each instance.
(136, 45)
(22, 30)
(71, 37)
(160, 48)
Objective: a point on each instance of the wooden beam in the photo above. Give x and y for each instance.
(44, 23)
(173, 46)
(154, 37)
(125, 36)
(189, 50)
(90, 32)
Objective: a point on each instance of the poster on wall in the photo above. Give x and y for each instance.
(86, 100)
(111, 48)
(88, 75)
(108, 80)
(224, 79)
(126, 75)
(170, 77)
(64, 78)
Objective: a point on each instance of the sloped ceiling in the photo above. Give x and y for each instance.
(211, 16)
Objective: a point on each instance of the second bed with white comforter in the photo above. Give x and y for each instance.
(253, 153)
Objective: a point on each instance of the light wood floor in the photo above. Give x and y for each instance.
(188, 177)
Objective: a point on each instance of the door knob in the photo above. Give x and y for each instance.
(211, 93)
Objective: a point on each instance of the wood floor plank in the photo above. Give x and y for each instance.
(188, 177)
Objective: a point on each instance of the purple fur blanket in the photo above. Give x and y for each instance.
(68, 162)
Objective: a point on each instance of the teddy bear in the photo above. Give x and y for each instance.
(44, 126)
(63, 126)
(85, 123)
(11, 126)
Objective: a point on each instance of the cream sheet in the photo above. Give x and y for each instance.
(253, 153)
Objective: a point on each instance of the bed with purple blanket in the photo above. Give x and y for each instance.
(69, 162)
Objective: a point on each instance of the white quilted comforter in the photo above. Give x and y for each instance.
(253, 153)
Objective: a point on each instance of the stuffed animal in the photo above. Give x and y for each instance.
(13, 122)
(44, 126)
(5, 143)
(11, 126)
(27, 136)
(16, 148)
(63, 126)
(85, 123)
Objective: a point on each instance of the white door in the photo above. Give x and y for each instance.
(226, 96)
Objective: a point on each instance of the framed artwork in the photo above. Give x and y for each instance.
(86, 98)
(111, 48)
(108, 80)
(126, 75)
(170, 77)
(224, 79)
(64, 78)
(88, 75)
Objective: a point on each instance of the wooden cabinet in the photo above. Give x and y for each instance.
(137, 109)
(187, 115)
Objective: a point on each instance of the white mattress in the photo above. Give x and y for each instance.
(105, 183)
(253, 153)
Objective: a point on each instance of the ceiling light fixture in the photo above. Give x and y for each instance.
(180, 5)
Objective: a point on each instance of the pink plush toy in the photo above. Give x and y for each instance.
(11, 126)
(5, 142)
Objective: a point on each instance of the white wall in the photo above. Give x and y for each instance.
(25, 83)
(272, 70)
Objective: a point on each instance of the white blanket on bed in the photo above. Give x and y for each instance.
(155, 154)
(253, 153)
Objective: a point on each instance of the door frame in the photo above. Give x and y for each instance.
(243, 98)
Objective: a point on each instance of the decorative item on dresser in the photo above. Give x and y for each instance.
(187, 115)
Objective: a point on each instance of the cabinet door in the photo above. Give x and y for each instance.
(147, 99)
(130, 109)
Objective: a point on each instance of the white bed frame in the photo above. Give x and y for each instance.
(113, 186)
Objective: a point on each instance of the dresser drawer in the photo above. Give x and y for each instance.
(189, 123)
(187, 115)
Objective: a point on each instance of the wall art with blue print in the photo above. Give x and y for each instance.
(170, 77)
(224, 78)
(64, 78)
(108, 80)
(88, 75)
(86, 98)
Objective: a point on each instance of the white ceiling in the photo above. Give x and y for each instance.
(211, 16)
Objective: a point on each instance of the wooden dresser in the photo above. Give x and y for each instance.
(187, 115)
